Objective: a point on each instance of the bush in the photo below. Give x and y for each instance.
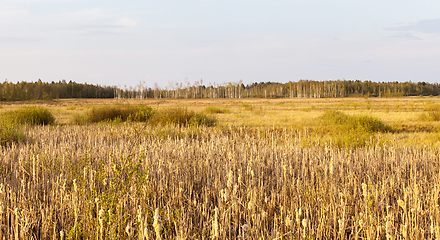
(141, 114)
(340, 121)
(79, 119)
(199, 119)
(31, 115)
(343, 130)
(182, 117)
(117, 113)
(10, 133)
(126, 113)
(215, 110)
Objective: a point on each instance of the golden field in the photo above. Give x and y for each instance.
(263, 172)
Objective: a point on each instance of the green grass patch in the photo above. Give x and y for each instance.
(141, 113)
(10, 132)
(215, 110)
(30, 115)
(118, 113)
(182, 117)
(342, 130)
(79, 119)
(343, 121)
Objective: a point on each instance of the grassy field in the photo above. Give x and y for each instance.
(351, 168)
(407, 116)
(263, 112)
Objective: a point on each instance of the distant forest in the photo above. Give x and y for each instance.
(23, 91)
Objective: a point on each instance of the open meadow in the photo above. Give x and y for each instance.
(332, 168)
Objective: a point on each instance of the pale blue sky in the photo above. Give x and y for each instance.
(124, 42)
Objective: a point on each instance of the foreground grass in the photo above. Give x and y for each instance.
(11, 123)
(137, 181)
(31, 115)
(10, 133)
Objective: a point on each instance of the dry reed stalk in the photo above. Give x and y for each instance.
(260, 178)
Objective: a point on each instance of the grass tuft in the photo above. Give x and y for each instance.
(118, 113)
(31, 115)
(346, 122)
(10, 133)
(215, 110)
(182, 117)
(140, 113)
(343, 130)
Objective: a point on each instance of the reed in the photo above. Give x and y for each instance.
(132, 181)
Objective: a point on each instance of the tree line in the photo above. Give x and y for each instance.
(39, 90)
(24, 91)
(299, 89)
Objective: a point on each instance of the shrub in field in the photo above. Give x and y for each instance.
(200, 119)
(215, 110)
(350, 131)
(117, 113)
(121, 113)
(347, 122)
(31, 115)
(10, 133)
(141, 114)
(182, 117)
(79, 119)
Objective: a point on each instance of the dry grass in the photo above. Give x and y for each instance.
(264, 173)
(114, 182)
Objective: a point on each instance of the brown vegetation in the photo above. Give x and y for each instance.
(316, 169)
(131, 180)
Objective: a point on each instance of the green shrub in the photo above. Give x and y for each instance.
(336, 120)
(79, 119)
(31, 115)
(215, 110)
(200, 119)
(127, 113)
(120, 113)
(182, 117)
(10, 133)
(343, 130)
(107, 113)
(141, 114)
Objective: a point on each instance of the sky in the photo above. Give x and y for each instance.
(125, 43)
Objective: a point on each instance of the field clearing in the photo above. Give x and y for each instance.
(266, 171)
(391, 110)
(403, 114)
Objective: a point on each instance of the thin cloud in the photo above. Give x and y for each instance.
(428, 26)
(103, 29)
(98, 22)
(406, 35)
(96, 29)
